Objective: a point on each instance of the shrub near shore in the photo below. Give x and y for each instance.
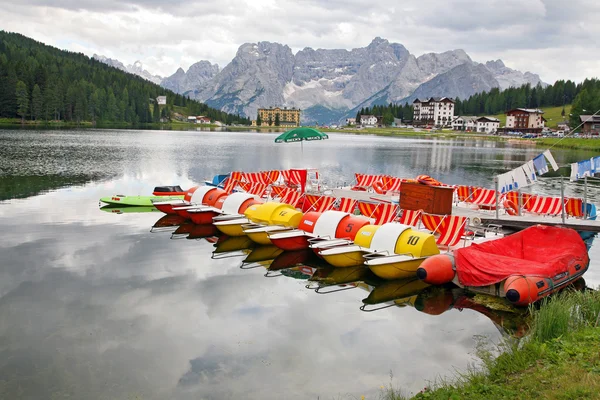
(560, 359)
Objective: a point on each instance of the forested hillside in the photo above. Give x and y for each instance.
(42, 83)
(582, 96)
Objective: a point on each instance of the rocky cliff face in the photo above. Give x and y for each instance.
(461, 81)
(136, 68)
(508, 77)
(255, 78)
(331, 83)
(110, 61)
(193, 79)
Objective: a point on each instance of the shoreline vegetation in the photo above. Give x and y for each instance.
(565, 143)
(559, 359)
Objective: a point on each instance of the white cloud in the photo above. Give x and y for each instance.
(542, 36)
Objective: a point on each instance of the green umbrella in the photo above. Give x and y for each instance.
(300, 135)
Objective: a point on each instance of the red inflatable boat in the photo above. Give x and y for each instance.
(523, 267)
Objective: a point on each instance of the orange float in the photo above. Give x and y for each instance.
(437, 270)
(378, 187)
(427, 180)
(510, 207)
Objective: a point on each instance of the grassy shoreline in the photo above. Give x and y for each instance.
(565, 143)
(560, 359)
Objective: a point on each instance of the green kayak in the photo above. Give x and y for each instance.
(138, 201)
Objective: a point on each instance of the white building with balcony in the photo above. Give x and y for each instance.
(487, 125)
(435, 111)
(368, 120)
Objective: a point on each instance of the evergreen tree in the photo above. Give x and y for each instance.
(258, 120)
(37, 105)
(277, 122)
(73, 87)
(388, 118)
(22, 99)
(156, 112)
(270, 120)
(8, 88)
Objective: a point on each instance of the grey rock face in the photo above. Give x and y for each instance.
(342, 78)
(461, 81)
(137, 68)
(332, 82)
(110, 61)
(508, 77)
(255, 78)
(193, 79)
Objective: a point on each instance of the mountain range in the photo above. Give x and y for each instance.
(136, 68)
(331, 84)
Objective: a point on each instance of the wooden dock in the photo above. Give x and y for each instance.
(524, 221)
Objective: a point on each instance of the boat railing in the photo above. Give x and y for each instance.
(319, 287)
(364, 307)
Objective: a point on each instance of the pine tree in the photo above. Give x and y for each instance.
(258, 120)
(156, 113)
(22, 99)
(277, 122)
(37, 105)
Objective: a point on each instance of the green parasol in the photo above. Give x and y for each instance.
(300, 135)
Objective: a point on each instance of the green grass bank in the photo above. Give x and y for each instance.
(559, 359)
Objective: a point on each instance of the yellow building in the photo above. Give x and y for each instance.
(288, 117)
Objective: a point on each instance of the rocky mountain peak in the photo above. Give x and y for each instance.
(496, 65)
(110, 61)
(190, 81)
(331, 83)
(137, 66)
(377, 42)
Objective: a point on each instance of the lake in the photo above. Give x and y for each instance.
(94, 305)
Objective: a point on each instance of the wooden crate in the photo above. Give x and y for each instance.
(430, 199)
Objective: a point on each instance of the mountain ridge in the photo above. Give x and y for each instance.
(266, 74)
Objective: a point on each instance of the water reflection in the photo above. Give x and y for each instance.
(97, 304)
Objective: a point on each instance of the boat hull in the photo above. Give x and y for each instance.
(345, 260)
(293, 243)
(232, 228)
(260, 237)
(204, 217)
(183, 213)
(139, 201)
(397, 270)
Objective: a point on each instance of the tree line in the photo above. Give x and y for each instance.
(42, 83)
(497, 101)
(387, 112)
(582, 96)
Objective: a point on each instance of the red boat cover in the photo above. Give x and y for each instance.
(539, 250)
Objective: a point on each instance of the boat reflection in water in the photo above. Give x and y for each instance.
(232, 246)
(326, 279)
(167, 223)
(509, 320)
(130, 209)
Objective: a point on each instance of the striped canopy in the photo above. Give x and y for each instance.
(300, 134)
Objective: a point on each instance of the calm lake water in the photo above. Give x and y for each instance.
(94, 305)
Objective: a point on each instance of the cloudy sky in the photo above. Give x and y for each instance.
(553, 38)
